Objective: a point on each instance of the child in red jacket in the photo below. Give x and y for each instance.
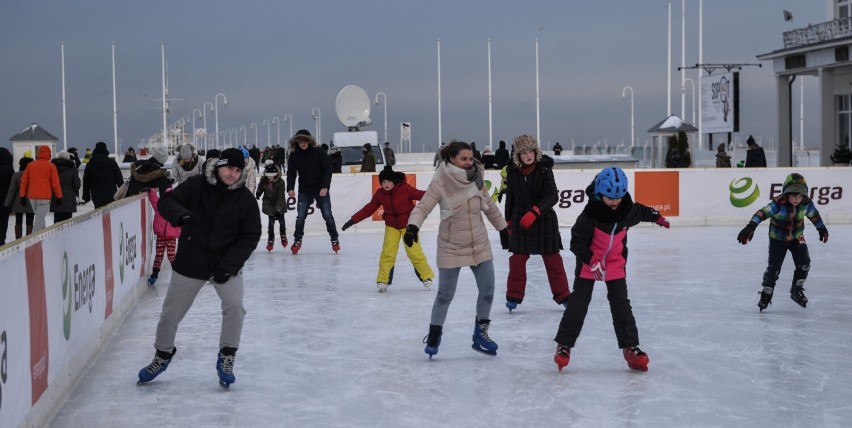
(396, 198)
(167, 236)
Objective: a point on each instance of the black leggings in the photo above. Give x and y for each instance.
(578, 305)
(777, 253)
(19, 217)
(282, 226)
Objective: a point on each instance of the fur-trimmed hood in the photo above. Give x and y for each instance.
(525, 143)
(294, 142)
(212, 177)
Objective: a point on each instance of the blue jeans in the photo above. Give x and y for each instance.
(324, 205)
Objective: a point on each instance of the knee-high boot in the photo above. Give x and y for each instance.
(18, 231)
(29, 229)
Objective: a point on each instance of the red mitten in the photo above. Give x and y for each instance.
(529, 218)
(662, 222)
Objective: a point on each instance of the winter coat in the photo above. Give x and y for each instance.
(522, 193)
(40, 179)
(462, 236)
(397, 204)
(185, 168)
(13, 196)
(312, 166)
(336, 160)
(787, 221)
(147, 174)
(755, 157)
(69, 180)
(501, 156)
(250, 171)
(6, 174)
(602, 232)
(368, 164)
(227, 227)
(162, 228)
(101, 178)
(274, 195)
(390, 156)
(723, 160)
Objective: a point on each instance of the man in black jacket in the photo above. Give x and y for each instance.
(313, 167)
(220, 224)
(102, 177)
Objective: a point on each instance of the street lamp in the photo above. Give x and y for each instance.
(289, 119)
(692, 84)
(623, 95)
(254, 125)
(317, 115)
(243, 127)
(268, 136)
(194, 115)
(216, 113)
(277, 121)
(385, 103)
(235, 131)
(204, 116)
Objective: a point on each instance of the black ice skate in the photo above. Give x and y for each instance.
(797, 293)
(433, 340)
(765, 298)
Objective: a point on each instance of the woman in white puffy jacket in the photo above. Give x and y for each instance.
(458, 188)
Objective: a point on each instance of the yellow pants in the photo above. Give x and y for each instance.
(388, 257)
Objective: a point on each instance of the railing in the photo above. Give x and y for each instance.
(821, 32)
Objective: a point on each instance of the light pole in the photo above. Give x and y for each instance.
(623, 95)
(692, 84)
(385, 103)
(235, 131)
(254, 125)
(204, 116)
(216, 113)
(268, 136)
(194, 115)
(277, 121)
(243, 127)
(289, 119)
(317, 115)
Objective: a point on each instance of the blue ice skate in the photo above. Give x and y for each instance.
(225, 367)
(511, 305)
(433, 340)
(158, 365)
(481, 341)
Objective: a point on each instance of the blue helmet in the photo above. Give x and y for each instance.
(245, 152)
(611, 182)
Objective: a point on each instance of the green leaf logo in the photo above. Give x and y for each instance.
(743, 192)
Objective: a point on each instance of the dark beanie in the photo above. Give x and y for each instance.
(212, 153)
(231, 157)
(100, 147)
(303, 132)
(389, 174)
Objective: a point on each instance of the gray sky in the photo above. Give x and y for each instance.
(276, 57)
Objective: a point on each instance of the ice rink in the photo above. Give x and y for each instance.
(321, 348)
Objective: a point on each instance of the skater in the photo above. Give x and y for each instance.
(167, 236)
(530, 197)
(396, 198)
(786, 214)
(313, 167)
(598, 240)
(274, 193)
(458, 187)
(220, 227)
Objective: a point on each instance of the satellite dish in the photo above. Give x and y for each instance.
(788, 16)
(352, 106)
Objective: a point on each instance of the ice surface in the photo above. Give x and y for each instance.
(321, 347)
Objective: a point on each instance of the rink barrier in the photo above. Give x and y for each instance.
(82, 278)
(56, 314)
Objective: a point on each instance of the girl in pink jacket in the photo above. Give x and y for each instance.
(167, 236)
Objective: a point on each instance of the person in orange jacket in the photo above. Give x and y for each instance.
(39, 184)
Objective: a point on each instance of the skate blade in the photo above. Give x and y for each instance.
(482, 350)
(638, 368)
(225, 385)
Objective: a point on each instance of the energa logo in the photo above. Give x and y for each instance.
(743, 192)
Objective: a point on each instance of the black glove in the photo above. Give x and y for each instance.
(504, 238)
(24, 201)
(257, 196)
(410, 236)
(747, 233)
(187, 220)
(221, 277)
(349, 224)
(823, 234)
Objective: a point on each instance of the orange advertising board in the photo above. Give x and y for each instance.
(659, 190)
(411, 179)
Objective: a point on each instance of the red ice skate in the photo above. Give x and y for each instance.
(283, 241)
(562, 357)
(636, 359)
(269, 245)
(296, 246)
(335, 246)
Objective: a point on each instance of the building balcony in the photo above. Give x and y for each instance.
(818, 33)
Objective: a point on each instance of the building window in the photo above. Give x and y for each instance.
(843, 9)
(844, 118)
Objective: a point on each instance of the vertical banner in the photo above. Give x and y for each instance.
(39, 349)
(15, 364)
(717, 103)
(109, 282)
